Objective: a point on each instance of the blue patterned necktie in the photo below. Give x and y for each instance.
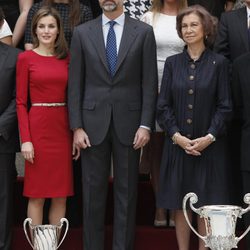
(111, 49)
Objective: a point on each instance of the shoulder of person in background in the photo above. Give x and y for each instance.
(86, 12)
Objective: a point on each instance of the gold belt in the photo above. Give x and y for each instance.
(51, 104)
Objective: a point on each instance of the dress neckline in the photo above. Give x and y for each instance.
(42, 55)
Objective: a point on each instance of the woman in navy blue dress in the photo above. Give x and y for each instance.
(193, 108)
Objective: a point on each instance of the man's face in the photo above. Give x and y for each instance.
(110, 5)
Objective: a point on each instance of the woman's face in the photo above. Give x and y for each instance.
(192, 29)
(47, 30)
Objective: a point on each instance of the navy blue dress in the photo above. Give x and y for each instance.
(194, 100)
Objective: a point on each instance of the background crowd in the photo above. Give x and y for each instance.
(189, 63)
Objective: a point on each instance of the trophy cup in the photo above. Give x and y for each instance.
(45, 237)
(220, 222)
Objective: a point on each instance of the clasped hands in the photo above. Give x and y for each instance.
(193, 147)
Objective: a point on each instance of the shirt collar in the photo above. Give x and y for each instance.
(119, 20)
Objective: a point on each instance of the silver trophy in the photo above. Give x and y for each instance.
(45, 237)
(220, 222)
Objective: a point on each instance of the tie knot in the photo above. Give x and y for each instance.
(112, 23)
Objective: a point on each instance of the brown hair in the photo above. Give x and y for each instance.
(61, 49)
(157, 5)
(208, 22)
(74, 12)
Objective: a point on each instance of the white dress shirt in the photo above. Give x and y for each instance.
(118, 28)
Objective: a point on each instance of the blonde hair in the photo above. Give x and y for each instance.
(157, 5)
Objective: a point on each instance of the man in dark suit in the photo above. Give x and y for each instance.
(8, 138)
(241, 98)
(232, 39)
(111, 107)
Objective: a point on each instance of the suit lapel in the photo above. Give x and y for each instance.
(242, 26)
(96, 36)
(128, 36)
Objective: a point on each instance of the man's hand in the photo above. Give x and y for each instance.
(80, 139)
(27, 150)
(142, 137)
(76, 151)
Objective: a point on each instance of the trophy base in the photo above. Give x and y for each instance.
(221, 242)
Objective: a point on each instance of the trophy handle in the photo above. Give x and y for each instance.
(27, 220)
(193, 199)
(66, 230)
(243, 211)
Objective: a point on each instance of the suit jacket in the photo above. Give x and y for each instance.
(215, 7)
(232, 38)
(129, 98)
(9, 142)
(241, 98)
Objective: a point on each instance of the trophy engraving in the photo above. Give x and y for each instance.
(220, 222)
(45, 237)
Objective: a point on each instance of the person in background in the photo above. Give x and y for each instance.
(162, 16)
(215, 7)
(5, 32)
(193, 108)
(9, 143)
(232, 41)
(111, 97)
(42, 78)
(18, 33)
(72, 13)
(16, 12)
(241, 97)
(136, 8)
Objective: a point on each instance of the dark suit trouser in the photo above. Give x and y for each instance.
(96, 162)
(7, 174)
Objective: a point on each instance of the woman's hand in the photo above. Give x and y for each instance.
(199, 144)
(185, 143)
(27, 150)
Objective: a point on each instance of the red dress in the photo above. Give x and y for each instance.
(43, 79)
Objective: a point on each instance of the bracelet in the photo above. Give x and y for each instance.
(175, 136)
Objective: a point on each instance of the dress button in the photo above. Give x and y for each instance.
(190, 106)
(190, 91)
(189, 121)
(191, 78)
(192, 66)
(188, 136)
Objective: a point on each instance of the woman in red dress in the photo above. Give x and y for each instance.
(42, 75)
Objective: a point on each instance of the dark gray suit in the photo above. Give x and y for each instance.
(232, 39)
(241, 98)
(111, 110)
(8, 140)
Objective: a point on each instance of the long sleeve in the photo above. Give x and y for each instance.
(165, 112)
(223, 110)
(76, 81)
(22, 79)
